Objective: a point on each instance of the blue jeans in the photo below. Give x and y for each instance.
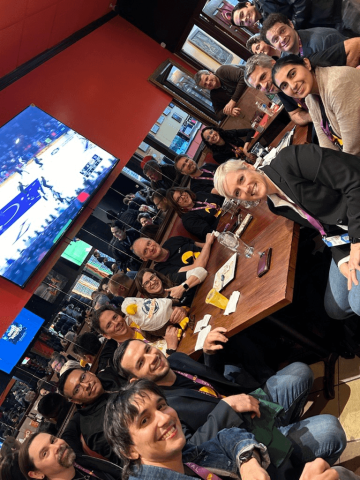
(319, 436)
(340, 303)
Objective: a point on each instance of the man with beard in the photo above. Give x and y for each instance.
(202, 178)
(90, 393)
(44, 456)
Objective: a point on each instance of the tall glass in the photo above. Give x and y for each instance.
(215, 298)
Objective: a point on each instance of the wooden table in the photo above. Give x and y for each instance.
(259, 296)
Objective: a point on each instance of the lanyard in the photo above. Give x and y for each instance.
(202, 471)
(326, 127)
(139, 331)
(315, 223)
(205, 178)
(301, 51)
(195, 379)
(207, 205)
(85, 470)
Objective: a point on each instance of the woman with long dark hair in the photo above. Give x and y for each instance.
(226, 144)
(200, 212)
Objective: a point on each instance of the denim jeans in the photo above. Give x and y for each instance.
(340, 303)
(318, 436)
(345, 474)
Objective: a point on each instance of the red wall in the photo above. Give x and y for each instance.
(99, 88)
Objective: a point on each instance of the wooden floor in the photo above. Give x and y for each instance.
(345, 406)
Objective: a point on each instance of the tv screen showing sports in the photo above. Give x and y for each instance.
(77, 251)
(17, 338)
(48, 172)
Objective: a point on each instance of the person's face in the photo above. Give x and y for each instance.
(113, 325)
(156, 431)
(295, 80)
(154, 175)
(148, 249)
(187, 166)
(145, 221)
(161, 204)
(51, 456)
(247, 184)
(118, 233)
(43, 392)
(145, 361)
(261, 47)
(183, 199)
(57, 366)
(209, 81)
(151, 283)
(283, 37)
(246, 17)
(261, 80)
(211, 136)
(83, 387)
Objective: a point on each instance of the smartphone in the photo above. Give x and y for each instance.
(264, 262)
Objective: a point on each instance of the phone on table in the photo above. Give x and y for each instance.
(264, 262)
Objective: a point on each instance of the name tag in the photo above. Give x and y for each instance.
(336, 240)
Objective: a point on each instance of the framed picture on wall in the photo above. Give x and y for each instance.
(177, 117)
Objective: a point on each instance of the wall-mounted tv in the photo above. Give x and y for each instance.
(17, 338)
(48, 172)
(77, 251)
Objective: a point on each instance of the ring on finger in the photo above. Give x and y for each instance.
(351, 269)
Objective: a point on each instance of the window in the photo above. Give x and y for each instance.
(155, 128)
(161, 119)
(177, 117)
(144, 147)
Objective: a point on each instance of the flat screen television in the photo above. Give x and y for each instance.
(17, 338)
(77, 251)
(48, 173)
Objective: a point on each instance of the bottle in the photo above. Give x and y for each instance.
(264, 108)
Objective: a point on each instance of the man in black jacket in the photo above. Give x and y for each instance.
(90, 392)
(226, 86)
(44, 456)
(202, 178)
(206, 402)
(120, 246)
(161, 176)
(302, 13)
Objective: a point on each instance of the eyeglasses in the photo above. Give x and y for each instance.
(181, 197)
(84, 378)
(151, 279)
(210, 132)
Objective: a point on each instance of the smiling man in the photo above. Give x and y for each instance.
(177, 254)
(90, 393)
(206, 402)
(202, 178)
(256, 45)
(226, 86)
(280, 32)
(44, 456)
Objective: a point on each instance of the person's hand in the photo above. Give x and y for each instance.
(211, 344)
(319, 470)
(243, 403)
(177, 315)
(252, 470)
(354, 264)
(344, 269)
(229, 107)
(171, 337)
(235, 112)
(209, 238)
(176, 292)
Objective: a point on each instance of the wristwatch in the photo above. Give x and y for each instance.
(185, 286)
(246, 456)
(354, 240)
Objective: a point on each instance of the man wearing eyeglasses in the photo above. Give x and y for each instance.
(226, 86)
(90, 393)
(202, 178)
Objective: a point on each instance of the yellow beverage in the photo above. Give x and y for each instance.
(215, 298)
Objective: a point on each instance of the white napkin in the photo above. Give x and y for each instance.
(202, 323)
(201, 338)
(232, 303)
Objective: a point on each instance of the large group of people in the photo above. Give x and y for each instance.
(149, 411)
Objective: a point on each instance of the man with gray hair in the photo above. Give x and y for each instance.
(226, 86)
(258, 75)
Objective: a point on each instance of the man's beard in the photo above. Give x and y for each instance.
(162, 375)
(66, 460)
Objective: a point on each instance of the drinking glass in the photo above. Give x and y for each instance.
(217, 299)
